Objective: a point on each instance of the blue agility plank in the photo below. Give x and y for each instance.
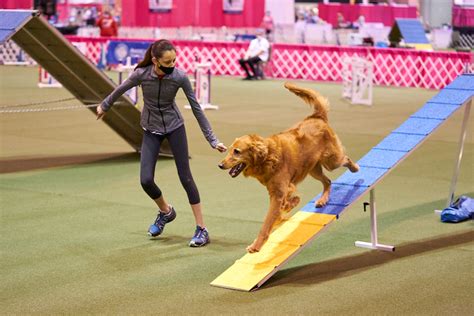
(418, 126)
(366, 176)
(440, 111)
(381, 158)
(341, 194)
(399, 142)
(328, 209)
(340, 197)
(11, 21)
(464, 82)
(412, 31)
(452, 96)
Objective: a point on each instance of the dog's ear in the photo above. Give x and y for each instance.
(258, 149)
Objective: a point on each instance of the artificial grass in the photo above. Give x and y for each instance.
(73, 237)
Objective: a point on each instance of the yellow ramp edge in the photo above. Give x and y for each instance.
(242, 276)
(285, 241)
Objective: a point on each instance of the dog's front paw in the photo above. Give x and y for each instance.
(254, 247)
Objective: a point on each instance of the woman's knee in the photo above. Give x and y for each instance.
(147, 182)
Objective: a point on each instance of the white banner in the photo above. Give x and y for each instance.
(233, 6)
(160, 5)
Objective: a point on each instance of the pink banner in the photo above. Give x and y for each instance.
(202, 13)
(372, 13)
(463, 16)
(16, 4)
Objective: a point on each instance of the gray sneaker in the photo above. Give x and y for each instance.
(161, 220)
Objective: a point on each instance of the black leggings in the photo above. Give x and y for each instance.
(149, 155)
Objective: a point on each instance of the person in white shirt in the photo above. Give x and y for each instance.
(257, 51)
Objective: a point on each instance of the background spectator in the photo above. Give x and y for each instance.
(258, 51)
(108, 26)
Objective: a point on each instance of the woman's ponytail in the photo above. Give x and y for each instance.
(146, 59)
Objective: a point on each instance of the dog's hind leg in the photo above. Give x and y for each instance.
(318, 174)
(338, 159)
(349, 164)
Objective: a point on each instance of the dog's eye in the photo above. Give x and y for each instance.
(236, 151)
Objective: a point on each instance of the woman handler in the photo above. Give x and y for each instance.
(160, 119)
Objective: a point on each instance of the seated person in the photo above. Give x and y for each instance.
(256, 52)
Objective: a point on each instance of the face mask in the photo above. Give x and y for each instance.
(166, 70)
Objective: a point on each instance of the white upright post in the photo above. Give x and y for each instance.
(202, 85)
(347, 78)
(128, 68)
(357, 80)
(374, 244)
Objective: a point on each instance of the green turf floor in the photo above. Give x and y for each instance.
(73, 222)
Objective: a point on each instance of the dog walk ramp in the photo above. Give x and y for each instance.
(253, 270)
(73, 70)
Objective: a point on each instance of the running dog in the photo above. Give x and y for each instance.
(283, 160)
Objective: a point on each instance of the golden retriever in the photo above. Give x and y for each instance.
(283, 160)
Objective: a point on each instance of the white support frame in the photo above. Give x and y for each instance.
(202, 86)
(374, 244)
(457, 164)
(362, 82)
(357, 80)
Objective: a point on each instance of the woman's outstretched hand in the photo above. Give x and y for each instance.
(100, 112)
(221, 147)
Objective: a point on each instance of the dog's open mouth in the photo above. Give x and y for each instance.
(237, 169)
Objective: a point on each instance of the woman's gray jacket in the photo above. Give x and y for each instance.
(160, 115)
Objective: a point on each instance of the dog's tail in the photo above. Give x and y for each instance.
(319, 103)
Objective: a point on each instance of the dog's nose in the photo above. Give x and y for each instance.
(221, 165)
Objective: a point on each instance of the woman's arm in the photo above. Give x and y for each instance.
(199, 113)
(132, 81)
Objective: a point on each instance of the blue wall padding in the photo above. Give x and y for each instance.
(381, 158)
(402, 142)
(464, 82)
(418, 126)
(440, 111)
(328, 209)
(364, 178)
(452, 96)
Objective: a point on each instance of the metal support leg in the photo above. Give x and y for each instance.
(374, 244)
(457, 165)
